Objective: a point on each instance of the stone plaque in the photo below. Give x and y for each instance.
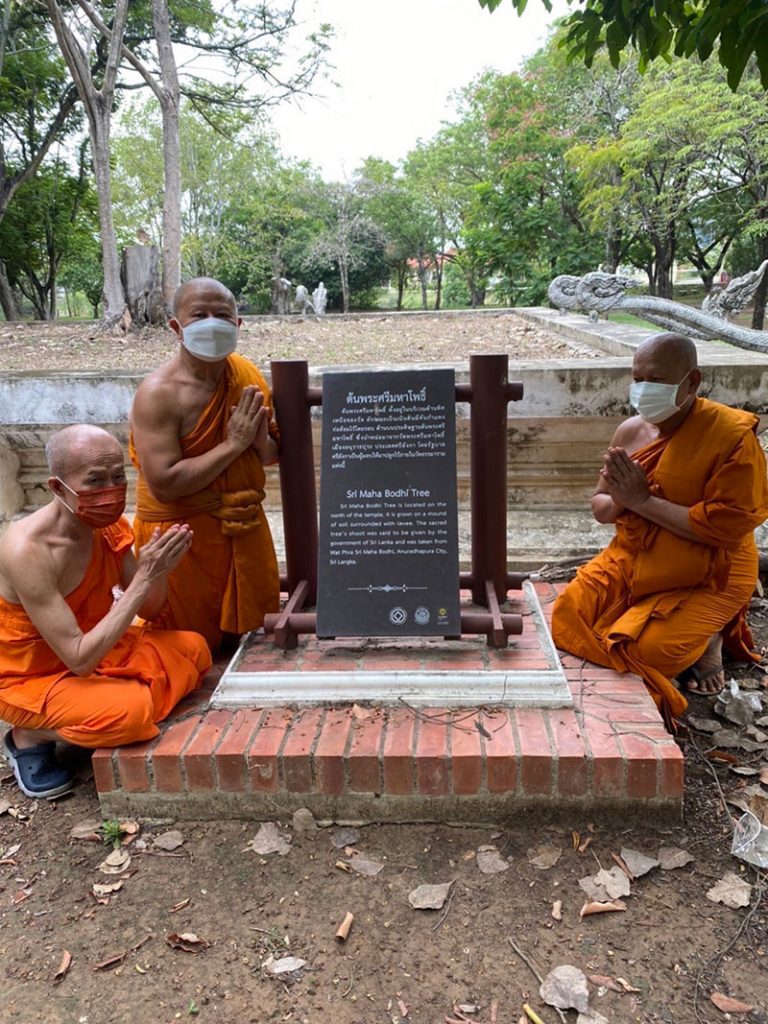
(388, 552)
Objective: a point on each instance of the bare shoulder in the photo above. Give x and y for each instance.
(25, 555)
(631, 434)
(157, 395)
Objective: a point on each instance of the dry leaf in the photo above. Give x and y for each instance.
(592, 1017)
(107, 888)
(728, 1005)
(187, 941)
(12, 850)
(88, 829)
(557, 910)
(731, 890)
(64, 965)
(602, 908)
(575, 840)
(490, 861)
(169, 841)
(671, 857)
(365, 865)
(637, 862)
(592, 889)
(269, 840)
(626, 987)
(605, 981)
(341, 837)
(615, 882)
(5, 805)
(566, 988)
(179, 906)
(283, 967)
(544, 857)
(130, 827)
(585, 845)
(117, 862)
(429, 897)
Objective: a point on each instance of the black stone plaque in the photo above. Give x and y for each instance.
(389, 552)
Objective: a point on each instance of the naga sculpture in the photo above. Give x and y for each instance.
(599, 292)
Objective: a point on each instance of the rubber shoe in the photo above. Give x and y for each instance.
(36, 769)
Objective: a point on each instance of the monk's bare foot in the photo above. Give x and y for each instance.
(710, 677)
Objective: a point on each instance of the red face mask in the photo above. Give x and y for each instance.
(98, 506)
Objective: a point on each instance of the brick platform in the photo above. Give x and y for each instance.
(609, 752)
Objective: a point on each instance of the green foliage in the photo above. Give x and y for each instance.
(736, 30)
(110, 832)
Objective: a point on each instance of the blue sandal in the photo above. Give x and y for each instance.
(36, 769)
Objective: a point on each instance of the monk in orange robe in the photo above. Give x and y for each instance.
(73, 667)
(685, 484)
(202, 432)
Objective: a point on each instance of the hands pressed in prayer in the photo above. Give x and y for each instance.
(624, 479)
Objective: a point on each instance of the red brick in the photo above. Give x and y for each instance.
(322, 663)
(500, 752)
(466, 753)
(262, 760)
(365, 754)
(432, 753)
(296, 755)
(371, 663)
(638, 714)
(536, 760)
(672, 770)
(132, 767)
(607, 758)
(166, 759)
(572, 766)
(329, 751)
(608, 685)
(642, 766)
(398, 752)
(230, 755)
(103, 771)
(472, 661)
(198, 755)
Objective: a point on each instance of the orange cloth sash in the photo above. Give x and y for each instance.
(229, 579)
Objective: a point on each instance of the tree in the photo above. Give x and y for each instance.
(36, 109)
(736, 29)
(53, 215)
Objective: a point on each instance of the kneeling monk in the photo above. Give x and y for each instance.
(685, 484)
(201, 433)
(72, 667)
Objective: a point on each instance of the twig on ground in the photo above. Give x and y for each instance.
(532, 967)
(448, 907)
(348, 989)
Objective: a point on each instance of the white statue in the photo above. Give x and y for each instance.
(319, 299)
(303, 300)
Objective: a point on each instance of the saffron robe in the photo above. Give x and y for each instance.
(651, 601)
(229, 578)
(135, 685)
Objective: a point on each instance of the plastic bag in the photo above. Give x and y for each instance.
(750, 840)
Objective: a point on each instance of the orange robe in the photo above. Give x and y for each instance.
(135, 686)
(651, 601)
(229, 578)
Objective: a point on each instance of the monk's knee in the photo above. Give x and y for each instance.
(130, 719)
(665, 651)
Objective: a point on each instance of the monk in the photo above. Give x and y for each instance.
(202, 431)
(684, 482)
(72, 665)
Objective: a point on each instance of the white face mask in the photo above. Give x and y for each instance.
(654, 401)
(211, 339)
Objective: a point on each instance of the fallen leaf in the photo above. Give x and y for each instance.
(602, 908)
(709, 725)
(544, 857)
(728, 1005)
(671, 857)
(557, 910)
(12, 850)
(179, 906)
(304, 820)
(592, 889)
(731, 890)
(575, 840)
(361, 713)
(605, 981)
(106, 889)
(118, 958)
(365, 865)
(5, 805)
(187, 941)
(585, 845)
(341, 837)
(490, 861)
(429, 897)
(591, 1017)
(283, 967)
(744, 769)
(87, 829)
(130, 827)
(637, 862)
(270, 840)
(117, 862)
(169, 841)
(626, 987)
(615, 882)
(566, 988)
(64, 965)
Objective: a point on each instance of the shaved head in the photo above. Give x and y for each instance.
(197, 287)
(70, 447)
(673, 351)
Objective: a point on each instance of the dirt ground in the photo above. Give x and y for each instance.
(657, 962)
(332, 341)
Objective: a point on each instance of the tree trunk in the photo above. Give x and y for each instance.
(401, 275)
(344, 275)
(169, 105)
(423, 279)
(761, 295)
(8, 302)
(114, 296)
(141, 280)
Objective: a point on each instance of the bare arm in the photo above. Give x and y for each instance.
(156, 431)
(32, 576)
